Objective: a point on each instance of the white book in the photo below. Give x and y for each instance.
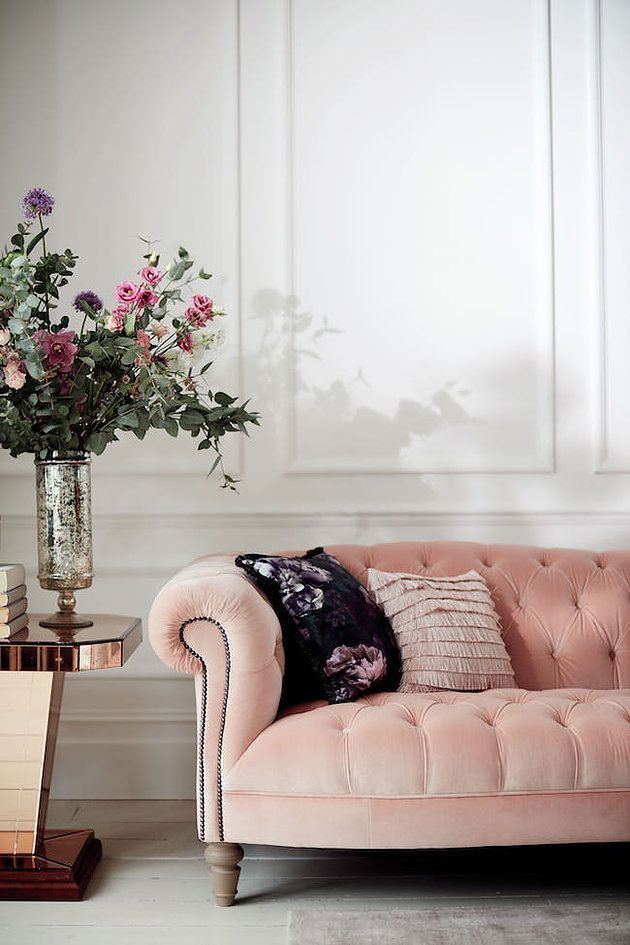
(8, 629)
(9, 613)
(10, 597)
(11, 575)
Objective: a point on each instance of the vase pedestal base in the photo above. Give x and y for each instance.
(61, 868)
(66, 622)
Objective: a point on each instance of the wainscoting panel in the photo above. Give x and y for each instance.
(399, 177)
(613, 36)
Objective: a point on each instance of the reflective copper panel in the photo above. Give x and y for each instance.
(106, 645)
(29, 716)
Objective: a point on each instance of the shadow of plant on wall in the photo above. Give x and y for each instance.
(357, 436)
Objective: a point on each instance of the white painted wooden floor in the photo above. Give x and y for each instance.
(152, 886)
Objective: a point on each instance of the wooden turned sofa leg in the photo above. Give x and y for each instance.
(223, 860)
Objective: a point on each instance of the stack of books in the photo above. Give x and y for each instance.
(13, 603)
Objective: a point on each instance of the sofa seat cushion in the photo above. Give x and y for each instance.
(399, 745)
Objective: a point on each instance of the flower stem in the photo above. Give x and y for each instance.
(41, 227)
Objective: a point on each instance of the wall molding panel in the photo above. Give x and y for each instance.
(542, 144)
(611, 26)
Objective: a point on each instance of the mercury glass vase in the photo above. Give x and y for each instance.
(64, 533)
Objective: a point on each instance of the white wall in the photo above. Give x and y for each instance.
(442, 186)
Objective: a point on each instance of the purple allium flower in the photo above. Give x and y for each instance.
(91, 298)
(37, 201)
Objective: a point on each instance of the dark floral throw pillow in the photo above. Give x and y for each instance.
(338, 642)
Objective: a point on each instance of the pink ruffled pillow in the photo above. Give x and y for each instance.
(447, 630)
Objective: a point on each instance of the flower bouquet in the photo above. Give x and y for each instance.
(66, 393)
(138, 365)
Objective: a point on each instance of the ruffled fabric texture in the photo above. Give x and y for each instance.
(447, 630)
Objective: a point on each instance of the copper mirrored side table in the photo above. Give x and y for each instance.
(36, 863)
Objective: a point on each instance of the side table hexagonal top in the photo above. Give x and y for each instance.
(36, 863)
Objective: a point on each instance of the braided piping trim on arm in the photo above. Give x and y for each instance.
(202, 725)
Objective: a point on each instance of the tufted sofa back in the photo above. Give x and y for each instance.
(565, 614)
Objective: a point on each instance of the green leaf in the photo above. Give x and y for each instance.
(182, 252)
(204, 275)
(34, 368)
(18, 240)
(171, 427)
(89, 361)
(97, 351)
(36, 239)
(97, 442)
(128, 421)
(177, 271)
(224, 399)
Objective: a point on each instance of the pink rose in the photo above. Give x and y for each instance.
(127, 291)
(151, 275)
(185, 342)
(122, 309)
(146, 297)
(159, 329)
(115, 321)
(15, 372)
(58, 349)
(196, 317)
(203, 303)
(14, 377)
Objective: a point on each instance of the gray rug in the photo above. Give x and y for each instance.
(596, 923)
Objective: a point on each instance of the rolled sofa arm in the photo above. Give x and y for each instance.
(211, 620)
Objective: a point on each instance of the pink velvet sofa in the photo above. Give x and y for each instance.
(547, 762)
